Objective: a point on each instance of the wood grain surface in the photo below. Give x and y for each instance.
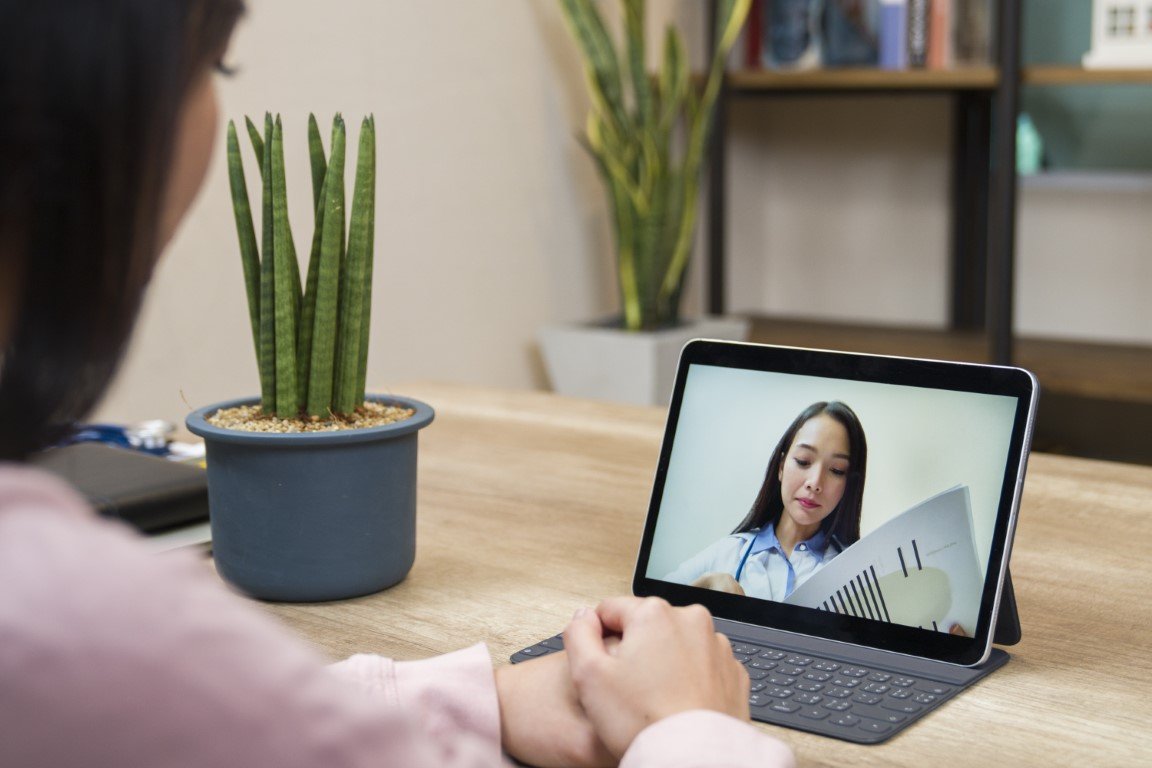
(532, 505)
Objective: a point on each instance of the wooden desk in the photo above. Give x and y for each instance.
(532, 505)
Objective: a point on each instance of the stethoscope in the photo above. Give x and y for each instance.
(748, 550)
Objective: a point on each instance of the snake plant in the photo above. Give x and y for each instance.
(648, 137)
(311, 340)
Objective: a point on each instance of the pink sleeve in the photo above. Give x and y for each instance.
(701, 739)
(450, 693)
(113, 656)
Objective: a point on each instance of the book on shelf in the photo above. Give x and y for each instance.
(890, 34)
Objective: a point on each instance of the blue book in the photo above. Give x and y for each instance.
(792, 30)
(851, 33)
(893, 34)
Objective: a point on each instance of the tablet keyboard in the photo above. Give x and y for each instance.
(833, 697)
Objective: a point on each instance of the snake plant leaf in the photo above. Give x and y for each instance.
(320, 383)
(287, 285)
(246, 231)
(673, 80)
(317, 162)
(366, 322)
(257, 143)
(602, 66)
(352, 279)
(267, 282)
(636, 58)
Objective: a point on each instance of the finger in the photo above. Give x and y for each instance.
(584, 638)
(617, 612)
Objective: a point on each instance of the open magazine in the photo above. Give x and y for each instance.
(919, 568)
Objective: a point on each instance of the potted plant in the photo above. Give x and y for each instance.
(648, 136)
(312, 487)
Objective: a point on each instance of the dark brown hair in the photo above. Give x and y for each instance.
(843, 522)
(90, 98)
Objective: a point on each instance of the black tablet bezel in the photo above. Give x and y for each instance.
(933, 374)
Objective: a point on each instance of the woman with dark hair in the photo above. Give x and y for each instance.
(806, 513)
(113, 656)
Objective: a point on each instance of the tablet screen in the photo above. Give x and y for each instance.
(860, 498)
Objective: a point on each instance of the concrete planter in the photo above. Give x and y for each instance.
(314, 516)
(604, 362)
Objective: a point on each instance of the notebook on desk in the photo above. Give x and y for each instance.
(848, 520)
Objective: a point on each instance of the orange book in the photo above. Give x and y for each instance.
(940, 35)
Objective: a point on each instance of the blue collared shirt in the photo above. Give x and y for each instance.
(812, 549)
(756, 560)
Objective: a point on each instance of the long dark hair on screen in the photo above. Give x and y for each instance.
(90, 98)
(843, 523)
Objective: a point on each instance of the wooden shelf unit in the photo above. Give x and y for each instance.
(983, 193)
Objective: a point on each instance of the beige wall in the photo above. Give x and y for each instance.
(491, 221)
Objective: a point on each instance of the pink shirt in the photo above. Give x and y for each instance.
(113, 656)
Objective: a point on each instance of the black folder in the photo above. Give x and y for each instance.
(148, 492)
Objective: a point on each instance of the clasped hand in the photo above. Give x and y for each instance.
(627, 663)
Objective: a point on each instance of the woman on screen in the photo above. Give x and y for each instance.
(807, 511)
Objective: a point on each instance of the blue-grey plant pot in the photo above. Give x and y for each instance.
(313, 516)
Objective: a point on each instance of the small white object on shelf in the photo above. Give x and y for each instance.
(1121, 35)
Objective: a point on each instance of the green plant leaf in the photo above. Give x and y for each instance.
(287, 285)
(267, 282)
(366, 322)
(257, 143)
(352, 293)
(601, 64)
(246, 232)
(318, 163)
(320, 385)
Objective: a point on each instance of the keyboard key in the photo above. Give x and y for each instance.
(924, 698)
(759, 686)
(784, 706)
(762, 664)
(758, 700)
(900, 693)
(875, 688)
(744, 649)
(837, 693)
(781, 680)
(934, 688)
(810, 686)
(780, 693)
(534, 651)
(837, 706)
(741, 658)
(878, 713)
(867, 698)
(756, 674)
(903, 682)
(786, 670)
(818, 677)
(874, 726)
(807, 698)
(906, 707)
(847, 720)
(798, 661)
(846, 682)
(772, 655)
(826, 666)
(814, 713)
(555, 643)
(854, 671)
(879, 677)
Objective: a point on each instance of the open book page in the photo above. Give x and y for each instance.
(919, 568)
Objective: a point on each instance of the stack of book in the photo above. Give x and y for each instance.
(889, 34)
